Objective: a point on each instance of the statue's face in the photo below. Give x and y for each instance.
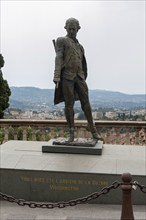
(72, 30)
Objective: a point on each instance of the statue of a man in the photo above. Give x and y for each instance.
(70, 75)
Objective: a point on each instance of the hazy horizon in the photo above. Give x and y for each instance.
(89, 89)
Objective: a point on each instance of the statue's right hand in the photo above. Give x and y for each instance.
(56, 80)
(56, 76)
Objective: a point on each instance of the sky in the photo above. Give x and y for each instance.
(112, 34)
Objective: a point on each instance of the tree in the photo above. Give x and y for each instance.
(4, 90)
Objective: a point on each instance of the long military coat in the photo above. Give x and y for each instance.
(58, 94)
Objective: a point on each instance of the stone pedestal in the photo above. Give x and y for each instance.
(28, 173)
(79, 146)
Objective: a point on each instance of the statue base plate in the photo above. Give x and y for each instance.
(80, 142)
(78, 146)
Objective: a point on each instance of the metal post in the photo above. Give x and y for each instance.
(127, 210)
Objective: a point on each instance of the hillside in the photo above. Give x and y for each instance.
(36, 98)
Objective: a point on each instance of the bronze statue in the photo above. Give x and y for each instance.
(70, 75)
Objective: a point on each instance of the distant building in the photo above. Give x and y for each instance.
(97, 115)
(111, 115)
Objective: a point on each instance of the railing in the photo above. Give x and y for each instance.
(113, 132)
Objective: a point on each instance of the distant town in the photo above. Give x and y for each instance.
(99, 114)
(37, 104)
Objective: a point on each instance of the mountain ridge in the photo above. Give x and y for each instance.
(28, 97)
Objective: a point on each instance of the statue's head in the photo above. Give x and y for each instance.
(1, 61)
(72, 26)
(73, 21)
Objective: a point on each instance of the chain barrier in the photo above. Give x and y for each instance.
(62, 204)
(141, 187)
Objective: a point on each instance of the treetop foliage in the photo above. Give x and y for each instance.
(4, 90)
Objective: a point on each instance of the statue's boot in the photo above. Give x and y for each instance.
(94, 132)
(97, 136)
(69, 113)
(70, 137)
(91, 127)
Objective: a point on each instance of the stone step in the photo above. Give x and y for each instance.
(82, 218)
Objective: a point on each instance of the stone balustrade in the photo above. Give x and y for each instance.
(113, 132)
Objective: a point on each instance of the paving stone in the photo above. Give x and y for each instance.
(42, 217)
(3, 216)
(80, 212)
(82, 218)
(21, 217)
